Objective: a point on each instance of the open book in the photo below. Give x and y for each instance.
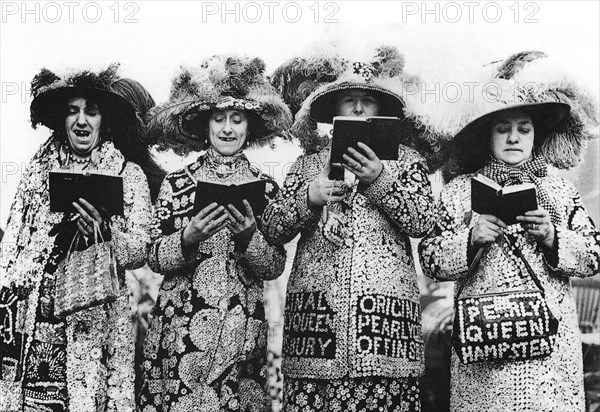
(380, 133)
(103, 191)
(222, 194)
(506, 203)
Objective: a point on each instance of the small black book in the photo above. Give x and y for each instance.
(223, 195)
(506, 203)
(380, 133)
(104, 192)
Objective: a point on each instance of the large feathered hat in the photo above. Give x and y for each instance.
(51, 93)
(316, 79)
(220, 82)
(298, 77)
(564, 116)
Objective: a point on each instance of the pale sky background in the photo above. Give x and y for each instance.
(168, 34)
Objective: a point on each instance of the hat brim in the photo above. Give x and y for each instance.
(194, 121)
(545, 117)
(323, 106)
(47, 108)
(472, 141)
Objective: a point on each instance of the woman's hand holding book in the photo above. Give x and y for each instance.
(206, 223)
(538, 224)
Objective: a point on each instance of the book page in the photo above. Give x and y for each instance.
(517, 188)
(487, 181)
(349, 118)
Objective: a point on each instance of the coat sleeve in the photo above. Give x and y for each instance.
(264, 261)
(165, 254)
(403, 192)
(11, 242)
(443, 252)
(131, 232)
(578, 252)
(288, 214)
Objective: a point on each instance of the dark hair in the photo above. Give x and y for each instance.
(539, 131)
(108, 123)
(253, 119)
(141, 100)
(135, 93)
(477, 154)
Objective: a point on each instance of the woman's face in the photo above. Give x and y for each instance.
(512, 138)
(83, 125)
(227, 131)
(357, 103)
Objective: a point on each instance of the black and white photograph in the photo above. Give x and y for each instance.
(299, 206)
